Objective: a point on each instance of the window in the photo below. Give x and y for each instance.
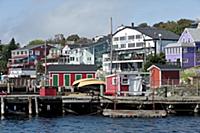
(139, 44)
(169, 50)
(198, 50)
(78, 76)
(71, 58)
(13, 53)
(185, 50)
(138, 36)
(31, 52)
(89, 58)
(185, 60)
(123, 45)
(22, 52)
(166, 50)
(37, 52)
(67, 79)
(116, 39)
(124, 81)
(122, 38)
(76, 58)
(114, 81)
(178, 50)
(198, 60)
(174, 50)
(131, 37)
(115, 46)
(89, 75)
(25, 52)
(131, 45)
(17, 52)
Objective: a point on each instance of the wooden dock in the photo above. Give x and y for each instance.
(85, 104)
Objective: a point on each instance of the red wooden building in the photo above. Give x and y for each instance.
(63, 75)
(125, 83)
(161, 75)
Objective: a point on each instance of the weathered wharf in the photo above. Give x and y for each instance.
(86, 104)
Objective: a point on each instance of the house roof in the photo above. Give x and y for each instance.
(195, 33)
(32, 46)
(165, 67)
(73, 46)
(68, 67)
(153, 32)
(178, 44)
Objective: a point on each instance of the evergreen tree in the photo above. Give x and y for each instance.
(154, 59)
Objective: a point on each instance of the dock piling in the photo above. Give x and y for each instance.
(36, 106)
(8, 88)
(2, 106)
(30, 105)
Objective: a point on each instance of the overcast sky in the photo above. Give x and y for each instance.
(26, 20)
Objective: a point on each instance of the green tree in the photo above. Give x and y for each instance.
(73, 37)
(3, 66)
(175, 26)
(154, 59)
(143, 25)
(6, 49)
(36, 42)
(39, 67)
(6, 53)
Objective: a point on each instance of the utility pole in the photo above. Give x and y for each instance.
(45, 59)
(111, 46)
(144, 50)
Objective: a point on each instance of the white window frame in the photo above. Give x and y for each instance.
(185, 60)
(114, 80)
(37, 52)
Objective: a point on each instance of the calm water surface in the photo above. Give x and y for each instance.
(98, 124)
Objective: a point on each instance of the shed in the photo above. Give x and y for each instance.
(125, 83)
(163, 74)
(63, 75)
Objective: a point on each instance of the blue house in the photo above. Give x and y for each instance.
(186, 51)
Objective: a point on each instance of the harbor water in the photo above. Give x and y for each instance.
(99, 124)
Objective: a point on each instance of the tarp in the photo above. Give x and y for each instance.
(91, 82)
(80, 80)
